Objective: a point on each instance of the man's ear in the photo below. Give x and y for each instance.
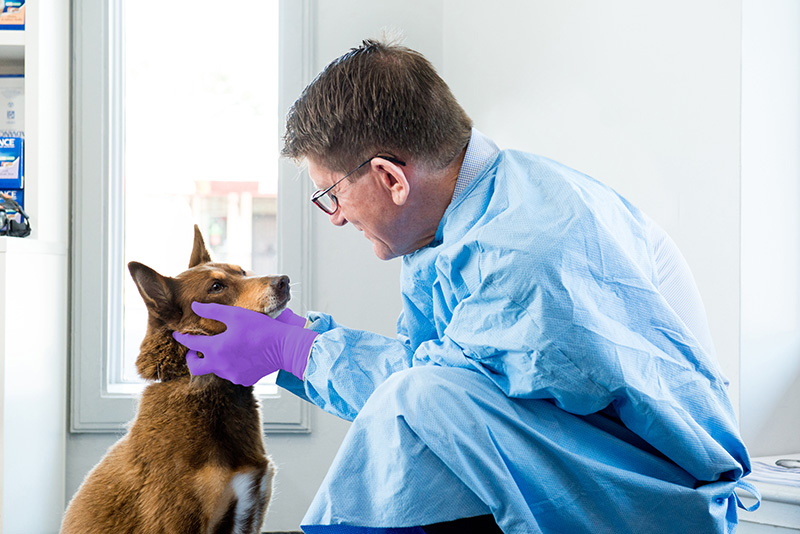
(393, 178)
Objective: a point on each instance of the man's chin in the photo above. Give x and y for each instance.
(382, 251)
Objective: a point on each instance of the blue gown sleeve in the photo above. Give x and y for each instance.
(345, 366)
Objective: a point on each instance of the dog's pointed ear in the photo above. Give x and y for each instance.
(156, 292)
(199, 252)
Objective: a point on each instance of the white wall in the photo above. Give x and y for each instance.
(771, 226)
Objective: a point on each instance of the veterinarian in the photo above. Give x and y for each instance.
(553, 369)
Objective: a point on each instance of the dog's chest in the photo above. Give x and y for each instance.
(207, 419)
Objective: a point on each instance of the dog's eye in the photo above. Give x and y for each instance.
(216, 287)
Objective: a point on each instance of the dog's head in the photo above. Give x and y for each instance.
(169, 305)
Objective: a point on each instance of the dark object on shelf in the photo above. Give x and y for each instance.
(9, 225)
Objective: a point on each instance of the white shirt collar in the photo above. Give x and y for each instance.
(479, 151)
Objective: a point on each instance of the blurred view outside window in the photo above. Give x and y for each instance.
(201, 142)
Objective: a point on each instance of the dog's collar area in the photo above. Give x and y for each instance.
(164, 379)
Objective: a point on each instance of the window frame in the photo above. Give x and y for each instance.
(98, 218)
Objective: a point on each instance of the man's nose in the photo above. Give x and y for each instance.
(337, 217)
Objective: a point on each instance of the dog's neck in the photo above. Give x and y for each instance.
(161, 358)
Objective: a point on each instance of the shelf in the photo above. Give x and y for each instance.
(12, 46)
(780, 504)
(780, 507)
(31, 246)
(12, 37)
(34, 281)
(775, 484)
(776, 493)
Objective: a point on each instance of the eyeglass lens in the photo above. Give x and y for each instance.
(326, 202)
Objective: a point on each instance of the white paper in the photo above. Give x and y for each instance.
(766, 470)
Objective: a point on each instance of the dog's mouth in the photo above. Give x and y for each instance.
(275, 306)
(274, 312)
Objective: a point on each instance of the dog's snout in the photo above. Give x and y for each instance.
(280, 284)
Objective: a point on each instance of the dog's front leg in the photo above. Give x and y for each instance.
(244, 502)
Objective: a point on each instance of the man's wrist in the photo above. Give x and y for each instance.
(298, 351)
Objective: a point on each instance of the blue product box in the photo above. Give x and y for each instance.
(16, 194)
(12, 14)
(11, 163)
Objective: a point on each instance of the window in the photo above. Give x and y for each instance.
(200, 143)
(177, 121)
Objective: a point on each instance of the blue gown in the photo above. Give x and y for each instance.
(539, 374)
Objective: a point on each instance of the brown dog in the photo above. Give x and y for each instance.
(193, 460)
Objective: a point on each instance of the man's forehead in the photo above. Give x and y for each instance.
(320, 175)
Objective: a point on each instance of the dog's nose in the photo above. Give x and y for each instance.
(280, 284)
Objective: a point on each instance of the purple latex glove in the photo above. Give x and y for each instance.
(253, 345)
(287, 316)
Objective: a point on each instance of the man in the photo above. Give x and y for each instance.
(553, 369)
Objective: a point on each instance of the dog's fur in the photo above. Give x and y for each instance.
(193, 460)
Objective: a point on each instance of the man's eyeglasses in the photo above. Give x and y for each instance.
(327, 201)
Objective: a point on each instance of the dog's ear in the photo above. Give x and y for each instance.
(156, 292)
(199, 252)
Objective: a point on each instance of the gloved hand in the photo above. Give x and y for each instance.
(287, 316)
(253, 346)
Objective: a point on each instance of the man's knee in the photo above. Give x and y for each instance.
(426, 391)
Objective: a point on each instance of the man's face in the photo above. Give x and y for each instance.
(366, 204)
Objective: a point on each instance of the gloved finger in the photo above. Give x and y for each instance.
(197, 343)
(222, 312)
(287, 316)
(197, 365)
(217, 312)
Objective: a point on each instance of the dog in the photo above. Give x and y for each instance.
(193, 460)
